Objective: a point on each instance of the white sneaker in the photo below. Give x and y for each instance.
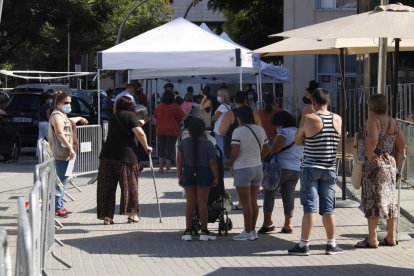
(186, 236)
(206, 235)
(244, 236)
(254, 233)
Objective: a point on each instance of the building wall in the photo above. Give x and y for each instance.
(300, 13)
(198, 13)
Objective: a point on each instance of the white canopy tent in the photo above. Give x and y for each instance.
(178, 48)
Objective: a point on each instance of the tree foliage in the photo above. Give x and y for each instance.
(249, 22)
(34, 33)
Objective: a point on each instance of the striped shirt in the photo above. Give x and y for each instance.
(320, 149)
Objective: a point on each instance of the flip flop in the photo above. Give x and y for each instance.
(266, 229)
(365, 244)
(286, 231)
(385, 242)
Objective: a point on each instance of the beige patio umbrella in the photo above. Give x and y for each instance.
(351, 46)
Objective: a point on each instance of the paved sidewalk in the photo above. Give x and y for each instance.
(151, 248)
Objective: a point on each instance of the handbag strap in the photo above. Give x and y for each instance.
(255, 136)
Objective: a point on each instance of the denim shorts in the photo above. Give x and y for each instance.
(314, 183)
(246, 177)
(203, 177)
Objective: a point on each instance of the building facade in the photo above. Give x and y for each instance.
(198, 13)
(322, 68)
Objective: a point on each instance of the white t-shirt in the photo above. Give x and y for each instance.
(250, 152)
(223, 108)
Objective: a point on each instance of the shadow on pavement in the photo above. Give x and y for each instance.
(352, 269)
(167, 243)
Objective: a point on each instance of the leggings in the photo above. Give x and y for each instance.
(287, 185)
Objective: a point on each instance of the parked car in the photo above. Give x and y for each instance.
(23, 110)
(10, 142)
(41, 87)
(89, 96)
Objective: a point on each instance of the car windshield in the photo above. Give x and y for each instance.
(23, 103)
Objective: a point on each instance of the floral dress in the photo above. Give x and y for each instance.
(379, 179)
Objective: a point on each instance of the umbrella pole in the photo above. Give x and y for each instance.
(395, 78)
(343, 115)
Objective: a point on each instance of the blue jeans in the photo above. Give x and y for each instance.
(61, 167)
(314, 183)
(220, 143)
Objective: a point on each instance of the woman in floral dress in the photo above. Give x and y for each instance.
(383, 146)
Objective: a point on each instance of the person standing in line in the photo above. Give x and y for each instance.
(266, 115)
(45, 105)
(204, 110)
(168, 116)
(61, 140)
(107, 106)
(197, 171)
(248, 145)
(307, 100)
(130, 92)
(320, 133)
(288, 155)
(119, 162)
(382, 148)
(224, 99)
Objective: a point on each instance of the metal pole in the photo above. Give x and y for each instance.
(382, 61)
(68, 56)
(395, 78)
(343, 115)
(99, 96)
(1, 8)
(188, 9)
(121, 27)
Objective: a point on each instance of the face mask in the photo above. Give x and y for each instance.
(219, 99)
(67, 108)
(50, 101)
(250, 97)
(306, 100)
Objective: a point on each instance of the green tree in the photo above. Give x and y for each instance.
(249, 22)
(33, 34)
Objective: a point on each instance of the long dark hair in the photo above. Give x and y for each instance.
(245, 115)
(196, 128)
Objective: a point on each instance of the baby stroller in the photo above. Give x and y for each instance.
(216, 203)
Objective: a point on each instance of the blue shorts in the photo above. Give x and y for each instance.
(314, 183)
(203, 177)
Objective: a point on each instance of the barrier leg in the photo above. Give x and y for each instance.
(59, 242)
(59, 223)
(74, 185)
(93, 179)
(69, 196)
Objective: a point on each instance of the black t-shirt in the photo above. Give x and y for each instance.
(121, 144)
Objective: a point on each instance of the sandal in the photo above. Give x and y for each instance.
(266, 229)
(286, 230)
(236, 208)
(365, 244)
(134, 219)
(385, 242)
(108, 221)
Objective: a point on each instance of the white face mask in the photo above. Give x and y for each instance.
(219, 99)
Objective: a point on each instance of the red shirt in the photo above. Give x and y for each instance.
(169, 117)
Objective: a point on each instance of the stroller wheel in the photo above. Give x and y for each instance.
(229, 224)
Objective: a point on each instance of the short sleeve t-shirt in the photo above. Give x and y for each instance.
(223, 108)
(290, 159)
(206, 152)
(121, 143)
(250, 152)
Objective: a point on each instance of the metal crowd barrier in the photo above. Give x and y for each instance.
(42, 214)
(24, 247)
(90, 144)
(5, 260)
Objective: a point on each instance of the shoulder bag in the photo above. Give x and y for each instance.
(357, 167)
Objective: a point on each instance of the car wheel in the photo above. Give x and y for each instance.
(14, 153)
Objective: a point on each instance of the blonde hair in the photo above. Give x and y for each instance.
(223, 92)
(59, 96)
(378, 103)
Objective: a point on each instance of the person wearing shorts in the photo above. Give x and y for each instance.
(248, 143)
(320, 133)
(197, 171)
